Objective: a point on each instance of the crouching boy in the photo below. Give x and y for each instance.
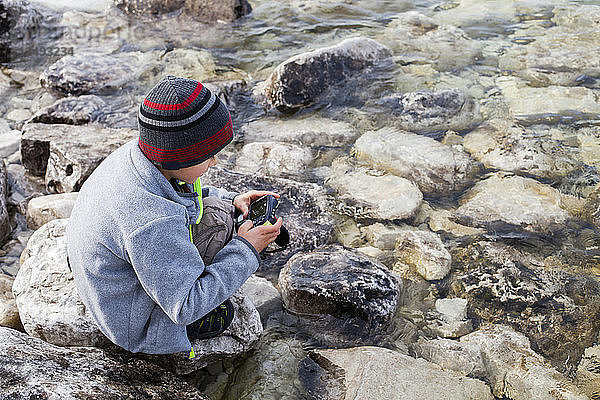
(141, 240)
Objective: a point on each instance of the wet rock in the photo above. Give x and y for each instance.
(5, 227)
(557, 310)
(364, 193)
(9, 314)
(464, 358)
(217, 11)
(523, 203)
(342, 283)
(9, 143)
(501, 144)
(23, 187)
(417, 39)
(424, 253)
(71, 110)
(443, 221)
(452, 321)
(548, 104)
(19, 23)
(378, 373)
(149, 7)
(347, 232)
(46, 295)
(263, 295)
(298, 81)
(382, 236)
(66, 154)
(588, 372)
(435, 167)
(19, 115)
(186, 63)
(43, 209)
(515, 371)
(32, 368)
(273, 158)
(304, 130)
(302, 205)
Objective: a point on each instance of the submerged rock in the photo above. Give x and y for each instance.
(66, 154)
(298, 81)
(43, 209)
(424, 253)
(435, 167)
(71, 110)
(273, 158)
(452, 321)
(149, 7)
(522, 203)
(31, 368)
(464, 358)
(588, 372)
(9, 313)
(557, 310)
(341, 283)
(378, 373)
(367, 194)
(5, 227)
(217, 10)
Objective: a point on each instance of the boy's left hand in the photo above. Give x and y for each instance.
(242, 201)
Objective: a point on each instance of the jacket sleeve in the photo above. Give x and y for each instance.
(172, 273)
(218, 192)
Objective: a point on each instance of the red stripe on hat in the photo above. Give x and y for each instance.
(179, 106)
(191, 152)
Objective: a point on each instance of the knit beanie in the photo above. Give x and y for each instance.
(182, 123)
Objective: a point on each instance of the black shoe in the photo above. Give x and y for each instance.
(212, 324)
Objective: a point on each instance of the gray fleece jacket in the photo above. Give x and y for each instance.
(132, 260)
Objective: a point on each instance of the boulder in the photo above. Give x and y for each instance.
(424, 253)
(263, 295)
(379, 373)
(558, 310)
(43, 209)
(367, 194)
(521, 203)
(382, 236)
(434, 167)
(515, 371)
(66, 154)
(504, 145)
(5, 226)
(46, 296)
(217, 11)
(298, 81)
(33, 369)
(588, 372)
(464, 358)
(273, 158)
(9, 314)
(343, 283)
(149, 7)
(71, 110)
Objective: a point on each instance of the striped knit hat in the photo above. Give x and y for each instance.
(182, 123)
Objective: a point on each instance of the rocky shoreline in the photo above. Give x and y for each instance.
(445, 226)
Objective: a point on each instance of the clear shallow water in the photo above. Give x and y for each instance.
(251, 47)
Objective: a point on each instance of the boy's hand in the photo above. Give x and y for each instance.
(242, 201)
(261, 236)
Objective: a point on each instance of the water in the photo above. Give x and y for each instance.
(489, 60)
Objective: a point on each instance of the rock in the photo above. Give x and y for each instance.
(363, 193)
(464, 358)
(548, 104)
(442, 221)
(304, 130)
(348, 233)
(263, 295)
(424, 253)
(302, 205)
(238, 338)
(186, 63)
(71, 110)
(149, 7)
(379, 373)
(382, 236)
(452, 321)
(9, 314)
(503, 145)
(272, 158)
(23, 187)
(515, 371)
(342, 283)
(558, 311)
(416, 38)
(217, 11)
(588, 372)
(19, 22)
(522, 203)
(298, 81)
(435, 167)
(9, 143)
(32, 369)
(19, 115)
(43, 209)
(5, 227)
(66, 154)
(46, 295)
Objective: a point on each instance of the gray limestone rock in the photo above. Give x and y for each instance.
(71, 110)
(66, 154)
(9, 142)
(217, 10)
(263, 294)
(452, 321)
(464, 358)
(424, 253)
(435, 167)
(588, 372)
(378, 373)
(33, 369)
(9, 314)
(342, 283)
(149, 7)
(5, 227)
(43, 209)
(273, 159)
(298, 81)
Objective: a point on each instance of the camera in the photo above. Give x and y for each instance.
(262, 212)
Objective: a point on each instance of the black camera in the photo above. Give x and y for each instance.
(262, 212)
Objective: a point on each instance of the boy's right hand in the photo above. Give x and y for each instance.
(261, 236)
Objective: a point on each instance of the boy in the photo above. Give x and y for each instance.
(132, 238)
